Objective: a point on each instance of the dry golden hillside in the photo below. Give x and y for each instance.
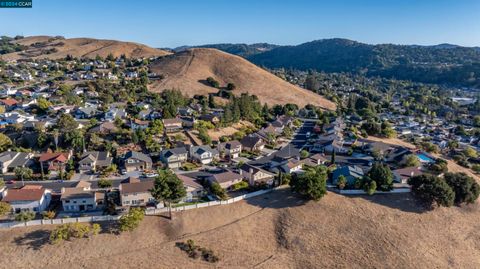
(276, 230)
(55, 48)
(188, 70)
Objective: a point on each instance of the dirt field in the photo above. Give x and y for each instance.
(215, 134)
(82, 47)
(273, 231)
(188, 71)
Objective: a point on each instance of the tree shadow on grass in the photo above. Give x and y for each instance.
(33, 240)
(279, 198)
(405, 202)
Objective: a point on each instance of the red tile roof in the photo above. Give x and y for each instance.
(55, 156)
(9, 101)
(26, 193)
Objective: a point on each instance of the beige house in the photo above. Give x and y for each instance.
(136, 193)
(256, 175)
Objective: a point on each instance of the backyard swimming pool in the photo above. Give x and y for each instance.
(424, 158)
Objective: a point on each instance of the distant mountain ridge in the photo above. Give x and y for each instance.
(443, 63)
(243, 50)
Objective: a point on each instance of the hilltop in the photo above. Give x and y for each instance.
(277, 230)
(38, 47)
(187, 70)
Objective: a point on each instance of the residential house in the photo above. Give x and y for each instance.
(210, 118)
(53, 161)
(403, 174)
(115, 112)
(9, 103)
(28, 198)
(172, 125)
(230, 149)
(225, 179)
(203, 154)
(252, 143)
(350, 172)
(81, 198)
(136, 193)
(174, 158)
(9, 160)
(136, 161)
(139, 124)
(256, 175)
(86, 112)
(194, 190)
(94, 161)
(104, 128)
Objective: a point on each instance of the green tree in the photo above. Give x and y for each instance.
(23, 173)
(341, 182)
(132, 219)
(432, 190)
(311, 184)
(66, 123)
(470, 152)
(105, 183)
(382, 175)
(370, 187)
(218, 191)
(25, 216)
(5, 208)
(43, 104)
(5, 142)
(168, 188)
(304, 154)
(411, 160)
(466, 188)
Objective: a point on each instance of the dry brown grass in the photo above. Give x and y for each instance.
(83, 47)
(215, 134)
(275, 231)
(189, 69)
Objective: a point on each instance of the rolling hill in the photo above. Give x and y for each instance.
(444, 63)
(187, 71)
(37, 47)
(243, 50)
(276, 230)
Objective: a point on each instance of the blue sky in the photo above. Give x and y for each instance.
(285, 22)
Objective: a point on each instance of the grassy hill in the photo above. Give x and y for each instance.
(273, 231)
(188, 71)
(36, 47)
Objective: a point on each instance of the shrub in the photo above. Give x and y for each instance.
(25, 216)
(131, 220)
(48, 214)
(304, 154)
(341, 182)
(218, 191)
(240, 185)
(370, 187)
(4, 208)
(73, 230)
(411, 160)
(440, 166)
(105, 183)
(195, 251)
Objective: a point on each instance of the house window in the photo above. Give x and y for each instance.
(74, 202)
(67, 201)
(84, 201)
(35, 209)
